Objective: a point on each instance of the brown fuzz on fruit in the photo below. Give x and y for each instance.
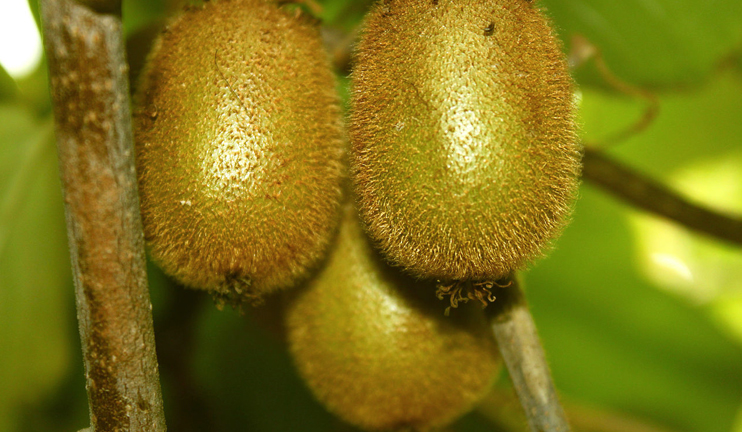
(376, 349)
(465, 154)
(239, 148)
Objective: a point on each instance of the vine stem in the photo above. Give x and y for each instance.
(90, 92)
(521, 349)
(654, 197)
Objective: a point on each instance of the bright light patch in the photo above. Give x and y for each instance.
(698, 267)
(674, 265)
(20, 43)
(664, 252)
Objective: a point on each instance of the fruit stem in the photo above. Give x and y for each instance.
(85, 49)
(656, 198)
(521, 349)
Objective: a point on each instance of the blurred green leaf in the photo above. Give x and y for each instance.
(140, 13)
(248, 375)
(8, 87)
(613, 337)
(35, 278)
(34, 6)
(34, 91)
(698, 124)
(344, 14)
(615, 340)
(654, 42)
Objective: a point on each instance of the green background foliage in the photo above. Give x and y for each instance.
(639, 317)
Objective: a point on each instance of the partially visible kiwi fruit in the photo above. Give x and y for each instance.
(239, 148)
(377, 351)
(465, 154)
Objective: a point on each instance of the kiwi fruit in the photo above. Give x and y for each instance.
(377, 351)
(239, 148)
(465, 155)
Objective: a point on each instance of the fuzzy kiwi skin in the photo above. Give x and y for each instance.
(378, 351)
(464, 153)
(238, 148)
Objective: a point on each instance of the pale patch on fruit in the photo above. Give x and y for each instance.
(483, 175)
(239, 149)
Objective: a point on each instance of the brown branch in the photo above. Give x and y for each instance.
(652, 196)
(89, 87)
(521, 349)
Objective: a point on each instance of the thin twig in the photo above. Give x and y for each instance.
(650, 113)
(521, 349)
(88, 74)
(652, 196)
(582, 51)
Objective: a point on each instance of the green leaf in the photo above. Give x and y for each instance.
(699, 124)
(34, 6)
(249, 376)
(344, 14)
(8, 87)
(35, 280)
(140, 13)
(654, 42)
(613, 339)
(613, 336)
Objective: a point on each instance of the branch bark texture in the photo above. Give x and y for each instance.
(521, 349)
(88, 74)
(656, 198)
